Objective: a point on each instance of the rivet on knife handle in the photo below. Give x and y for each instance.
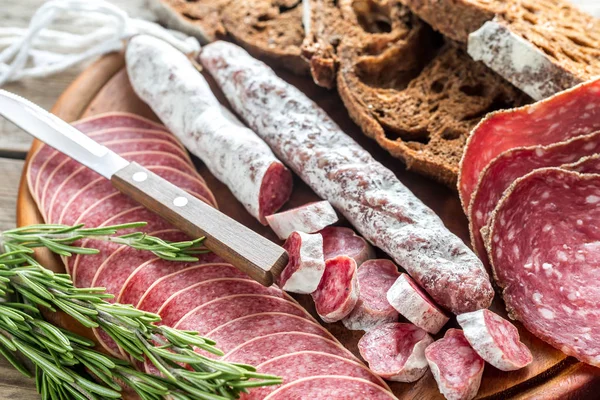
(248, 251)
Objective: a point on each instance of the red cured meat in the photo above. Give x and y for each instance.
(339, 170)
(414, 305)
(263, 348)
(306, 265)
(331, 387)
(308, 218)
(338, 241)
(456, 367)
(495, 340)
(275, 190)
(396, 351)
(295, 366)
(587, 165)
(115, 120)
(176, 306)
(337, 293)
(165, 287)
(240, 330)
(548, 265)
(513, 164)
(565, 115)
(375, 277)
(215, 313)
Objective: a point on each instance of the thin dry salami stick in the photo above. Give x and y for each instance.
(370, 196)
(165, 79)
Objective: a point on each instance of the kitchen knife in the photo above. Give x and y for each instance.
(237, 244)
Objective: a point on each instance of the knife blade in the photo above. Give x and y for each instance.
(248, 251)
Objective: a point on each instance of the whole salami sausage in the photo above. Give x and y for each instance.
(369, 195)
(165, 79)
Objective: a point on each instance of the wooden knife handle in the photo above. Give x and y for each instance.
(245, 249)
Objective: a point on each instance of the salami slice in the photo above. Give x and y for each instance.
(179, 303)
(456, 367)
(304, 364)
(115, 120)
(369, 195)
(309, 218)
(264, 348)
(165, 79)
(396, 351)
(217, 312)
(375, 277)
(240, 330)
(567, 114)
(495, 340)
(331, 387)
(338, 241)
(586, 165)
(513, 164)
(337, 293)
(414, 305)
(547, 266)
(306, 265)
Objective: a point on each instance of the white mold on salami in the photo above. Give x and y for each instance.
(396, 351)
(456, 367)
(338, 291)
(339, 241)
(369, 195)
(306, 265)
(413, 304)
(165, 79)
(375, 277)
(331, 387)
(495, 340)
(308, 218)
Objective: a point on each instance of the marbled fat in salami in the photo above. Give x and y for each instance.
(306, 264)
(339, 241)
(308, 218)
(563, 116)
(369, 195)
(544, 246)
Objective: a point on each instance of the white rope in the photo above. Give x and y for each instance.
(63, 33)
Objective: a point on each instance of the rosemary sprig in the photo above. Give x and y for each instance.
(57, 354)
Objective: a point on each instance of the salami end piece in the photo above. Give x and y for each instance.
(306, 265)
(375, 277)
(414, 305)
(331, 387)
(338, 241)
(337, 293)
(308, 218)
(396, 351)
(456, 367)
(495, 340)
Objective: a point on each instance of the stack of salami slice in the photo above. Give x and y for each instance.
(530, 185)
(250, 323)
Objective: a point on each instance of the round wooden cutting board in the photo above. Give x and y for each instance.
(104, 87)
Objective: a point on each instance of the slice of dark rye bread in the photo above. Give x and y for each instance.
(561, 47)
(417, 96)
(271, 30)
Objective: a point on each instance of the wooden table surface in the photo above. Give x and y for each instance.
(14, 145)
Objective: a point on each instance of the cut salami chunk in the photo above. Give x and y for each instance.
(309, 218)
(331, 387)
(563, 116)
(215, 313)
(544, 246)
(456, 367)
(179, 303)
(587, 165)
(264, 348)
(414, 305)
(495, 340)
(396, 351)
(340, 171)
(306, 265)
(166, 79)
(338, 241)
(375, 277)
(240, 330)
(115, 120)
(295, 366)
(337, 293)
(513, 164)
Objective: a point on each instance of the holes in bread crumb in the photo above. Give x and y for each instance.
(473, 90)
(499, 103)
(581, 42)
(283, 8)
(372, 17)
(264, 18)
(191, 16)
(450, 134)
(438, 85)
(418, 136)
